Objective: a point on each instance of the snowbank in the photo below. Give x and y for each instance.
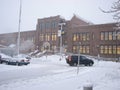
(5, 56)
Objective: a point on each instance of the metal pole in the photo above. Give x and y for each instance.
(61, 41)
(78, 58)
(19, 27)
(61, 27)
(116, 44)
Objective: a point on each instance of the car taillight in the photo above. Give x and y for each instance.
(69, 58)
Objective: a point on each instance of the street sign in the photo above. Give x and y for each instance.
(59, 33)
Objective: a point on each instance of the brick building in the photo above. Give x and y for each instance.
(77, 35)
(9, 39)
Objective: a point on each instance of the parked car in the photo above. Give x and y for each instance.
(73, 60)
(3, 60)
(16, 61)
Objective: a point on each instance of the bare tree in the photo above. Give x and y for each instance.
(115, 9)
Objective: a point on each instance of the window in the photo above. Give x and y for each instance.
(85, 49)
(41, 37)
(118, 35)
(84, 37)
(54, 36)
(47, 25)
(110, 36)
(106, 49)
(102, 49)
(81, 49)
(42, 26)
(87, 36)
(76, 37)
(74, 49)
(106, 35)
(54, 24)
(109, 49)
(118, 49)
(114, 49)
(114, 35)
(102, 35)
(81, 36)
(47, 37)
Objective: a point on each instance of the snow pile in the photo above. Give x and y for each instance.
(4, 56)
(51, 73)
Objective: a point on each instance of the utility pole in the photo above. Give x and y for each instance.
(19, 27)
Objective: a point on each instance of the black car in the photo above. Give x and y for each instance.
(73, 60)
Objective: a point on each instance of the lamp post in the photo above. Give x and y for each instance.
(61, 24)
(19, 27)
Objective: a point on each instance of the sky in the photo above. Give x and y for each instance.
(36, 9)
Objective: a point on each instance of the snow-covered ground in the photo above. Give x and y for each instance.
(49, 73)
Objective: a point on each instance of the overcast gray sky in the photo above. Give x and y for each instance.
(34, 9)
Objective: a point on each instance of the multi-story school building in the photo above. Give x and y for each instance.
(76, 35)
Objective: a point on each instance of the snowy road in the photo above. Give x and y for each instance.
(34, 70)
(28, 72)
(52, 74)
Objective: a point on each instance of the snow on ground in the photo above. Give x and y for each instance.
(51, 73)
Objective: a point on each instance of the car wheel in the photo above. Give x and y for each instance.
(71, 64)
(0, 62)
(90, 64)
(75, 64)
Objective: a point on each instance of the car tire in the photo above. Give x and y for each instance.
(90, 64)
(0, 62)
(71, 64)
(75, 64)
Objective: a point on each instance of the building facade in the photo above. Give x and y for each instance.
(77, 35)
(9, 39)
